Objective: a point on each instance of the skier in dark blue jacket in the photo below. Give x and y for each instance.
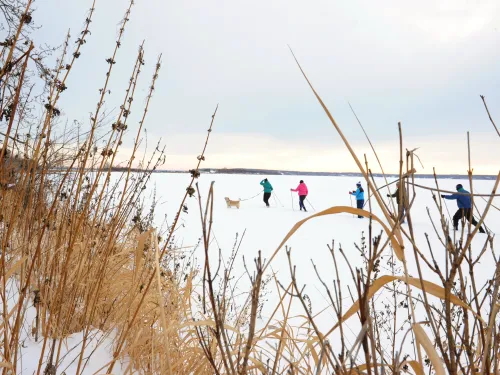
(464, 207)
(359, 193)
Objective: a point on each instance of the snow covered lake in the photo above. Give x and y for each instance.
(265, 228)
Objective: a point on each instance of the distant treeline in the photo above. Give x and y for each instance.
(271, 172)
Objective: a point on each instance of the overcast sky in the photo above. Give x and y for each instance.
(422, 63)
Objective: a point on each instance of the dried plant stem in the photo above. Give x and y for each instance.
(489, 115)
(374, 152)
(123, 336)
(7, 343)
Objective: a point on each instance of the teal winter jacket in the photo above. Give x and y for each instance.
(267, 186)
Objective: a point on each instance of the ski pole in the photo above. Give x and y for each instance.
(350, 196)
(449, 216)
(310, 204)
(278, 199)
(291, 197)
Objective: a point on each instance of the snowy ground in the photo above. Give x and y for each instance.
(99, 344)
(265, 229)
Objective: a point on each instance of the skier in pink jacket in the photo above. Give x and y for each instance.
(302, 190)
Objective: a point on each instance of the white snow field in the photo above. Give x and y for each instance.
(266, 228)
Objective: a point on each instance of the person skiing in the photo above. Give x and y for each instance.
(268, 188)
(302, 191)
(401, 201)
(464, 207)
(359, 193)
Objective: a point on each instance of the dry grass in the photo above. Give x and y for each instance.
(79, 256)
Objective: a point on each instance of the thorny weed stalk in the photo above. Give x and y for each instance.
(80, 255)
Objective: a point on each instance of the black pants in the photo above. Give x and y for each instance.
(301, 202)
(401, 213)
(360, 204)
(266, 198)
(467, 213)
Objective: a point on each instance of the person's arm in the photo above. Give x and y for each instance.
(295, 189)
(451, 197)
(262, 182)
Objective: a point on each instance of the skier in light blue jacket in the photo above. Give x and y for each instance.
(359, 193)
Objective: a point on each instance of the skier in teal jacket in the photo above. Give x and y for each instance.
(268, 188)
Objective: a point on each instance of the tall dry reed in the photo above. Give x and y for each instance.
(79, 255)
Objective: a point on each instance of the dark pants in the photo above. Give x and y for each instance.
(301, 202)
(401, 213)
(360, 204)
(266, 198)
(467, 213)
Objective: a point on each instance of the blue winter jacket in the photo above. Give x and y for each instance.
(463, 201)
(359, 193)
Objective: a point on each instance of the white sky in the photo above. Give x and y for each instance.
(422, 63)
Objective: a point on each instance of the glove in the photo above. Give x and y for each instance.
(442, 196)
(291, 189)
(388, 195)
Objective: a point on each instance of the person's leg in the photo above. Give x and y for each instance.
(470, 216)
(301, 202)
(401, 212)
(266, 198)
(360, 204)
(457, 217)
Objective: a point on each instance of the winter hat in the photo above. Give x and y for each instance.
(459, 186)
(301, 181)
(359, 183)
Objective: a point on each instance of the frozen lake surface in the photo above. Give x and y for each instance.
(265, 229)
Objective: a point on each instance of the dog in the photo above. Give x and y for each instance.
(231, 203)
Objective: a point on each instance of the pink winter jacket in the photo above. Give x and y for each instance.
(302, 189)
